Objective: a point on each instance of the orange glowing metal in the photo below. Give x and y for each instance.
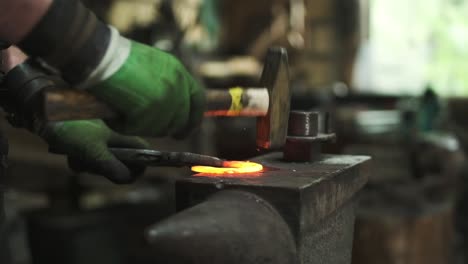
(230, 167)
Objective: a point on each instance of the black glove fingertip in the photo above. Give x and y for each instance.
(113, 169)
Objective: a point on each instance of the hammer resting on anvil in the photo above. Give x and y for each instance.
(270, 103)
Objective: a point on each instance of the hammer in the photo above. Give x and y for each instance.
(270, 102)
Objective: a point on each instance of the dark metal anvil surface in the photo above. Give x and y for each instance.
(290, 213)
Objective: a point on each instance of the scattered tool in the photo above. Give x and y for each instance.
(150, 157)
(270, 103)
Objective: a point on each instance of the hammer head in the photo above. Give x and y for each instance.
(272, 128)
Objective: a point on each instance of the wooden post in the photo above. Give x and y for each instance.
(403, 224)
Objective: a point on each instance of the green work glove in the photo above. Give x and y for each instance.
(86, 144)
(152, 90)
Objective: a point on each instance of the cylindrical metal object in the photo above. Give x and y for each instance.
(303, 124)
(303, 143)
(224, 229)
(324, 123)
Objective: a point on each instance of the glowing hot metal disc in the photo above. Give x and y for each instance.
(230, 167)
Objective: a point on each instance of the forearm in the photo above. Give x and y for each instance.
(18, 17)
(69, 37)
(11, 58)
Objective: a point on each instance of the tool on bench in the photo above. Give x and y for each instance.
(198, 162)
(270, 103)
(150, 157)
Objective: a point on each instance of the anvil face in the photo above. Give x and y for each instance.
(303, 193)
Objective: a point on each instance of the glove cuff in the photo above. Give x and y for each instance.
(21, 95)
(116, 55)
(71, 38)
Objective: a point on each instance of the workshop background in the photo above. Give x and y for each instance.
(392, 74)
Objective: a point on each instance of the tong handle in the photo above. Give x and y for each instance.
(150, 157)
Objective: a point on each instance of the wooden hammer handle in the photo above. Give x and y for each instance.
(71, 104)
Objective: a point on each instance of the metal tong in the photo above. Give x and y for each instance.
(150, 157)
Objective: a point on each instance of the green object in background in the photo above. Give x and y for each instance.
(412, 43)
(86, 144)
(155, 94)
(209, 18)
(420, 115)
(449, 58)
(429, 110)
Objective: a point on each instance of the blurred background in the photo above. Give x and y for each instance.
(393, 74)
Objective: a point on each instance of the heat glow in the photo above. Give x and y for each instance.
(230, 167)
